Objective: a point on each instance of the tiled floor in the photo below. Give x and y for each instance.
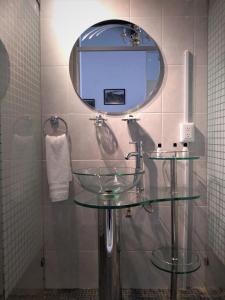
(128, 294)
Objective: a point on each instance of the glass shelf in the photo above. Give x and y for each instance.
(131, 198)
(171, 155)
(186, 262)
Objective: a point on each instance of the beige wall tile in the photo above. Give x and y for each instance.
(192, 229)
(137, 271)
(60, 266)
(70, 226)
(58, 35)
(197, 278)
(201, 8)
(75, 104)
(52, 53)
(150, 130)
(144, 231)
(77, 8)
(200, 180)
(116, 8)
(54, 90)
(60, 224)
(171, 129)
(178, 35)
(201, 40)
(200, 146)
(113, 139)
(178, 8)
(146, 8)
(152, 25)
(83, 131)
(172, 94)
(32, 279)
(154, 105)
(200, 89)
(215, 272)
(87, 271)
(85, 236)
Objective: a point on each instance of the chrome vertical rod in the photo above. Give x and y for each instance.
(174, 232)
(109, 258)
(173, 286)
(174, 225)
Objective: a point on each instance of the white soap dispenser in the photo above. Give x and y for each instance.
(159, 150)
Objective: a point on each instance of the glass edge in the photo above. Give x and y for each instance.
(178, 272)
(142, 203)
(109, 174)
(174, 158)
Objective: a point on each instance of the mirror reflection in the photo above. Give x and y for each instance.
(116, 67)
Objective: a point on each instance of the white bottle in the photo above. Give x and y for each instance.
(159, 150)
(175, 149)
(185, 150)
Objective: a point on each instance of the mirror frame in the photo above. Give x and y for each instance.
(151, 95)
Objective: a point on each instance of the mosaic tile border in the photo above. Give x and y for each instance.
(128, 294)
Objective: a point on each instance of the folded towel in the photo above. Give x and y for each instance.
(58, 166)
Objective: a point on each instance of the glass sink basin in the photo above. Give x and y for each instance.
(108, 181)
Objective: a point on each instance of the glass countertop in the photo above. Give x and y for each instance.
(132, 198)
(171, 155)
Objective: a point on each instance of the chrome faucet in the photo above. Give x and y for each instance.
(139, 160)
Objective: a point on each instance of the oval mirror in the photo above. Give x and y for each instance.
(116, 67)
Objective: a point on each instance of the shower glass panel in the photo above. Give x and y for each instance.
(21, 241)
(215, 271)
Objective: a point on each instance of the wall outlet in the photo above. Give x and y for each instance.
(187, 132)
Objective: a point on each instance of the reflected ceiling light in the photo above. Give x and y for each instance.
(131, 33)
(97, 31)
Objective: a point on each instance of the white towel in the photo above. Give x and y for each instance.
(58, 166)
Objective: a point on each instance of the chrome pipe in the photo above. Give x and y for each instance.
(173, 286)
(174, 220)
(109, 232)
(139, 162)
(174, 232)
(109, 254)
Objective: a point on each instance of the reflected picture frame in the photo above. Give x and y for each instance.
(114, 96)
(90, 102)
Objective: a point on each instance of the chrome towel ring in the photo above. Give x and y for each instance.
(54, 121)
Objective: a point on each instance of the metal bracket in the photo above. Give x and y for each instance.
(99, 120)
(130, 119)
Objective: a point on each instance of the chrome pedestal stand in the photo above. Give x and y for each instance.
(109, 255)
